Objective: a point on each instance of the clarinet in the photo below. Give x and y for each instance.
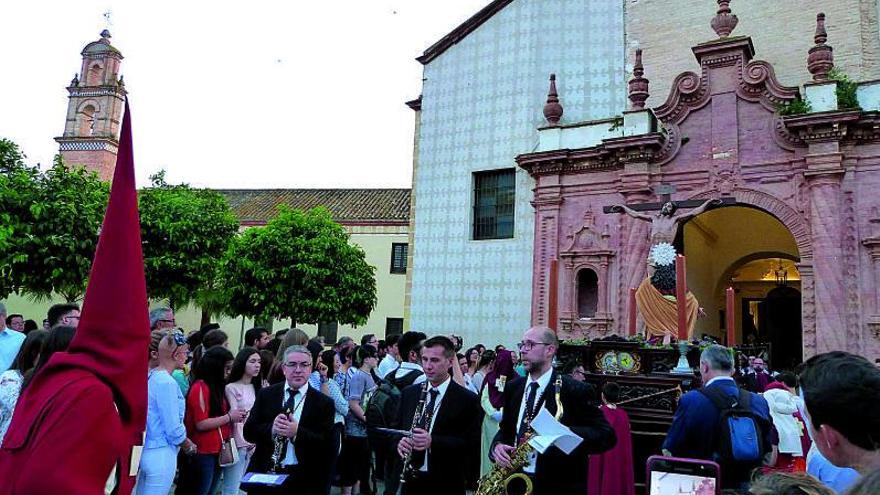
(279, 441)
(417, 420)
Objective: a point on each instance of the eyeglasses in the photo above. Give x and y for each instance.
(301, 366)
(527, 346)
(172, 321)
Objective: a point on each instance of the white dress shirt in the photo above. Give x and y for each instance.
(442, 388)
(298, 404)
(387, 365)
(542, 382)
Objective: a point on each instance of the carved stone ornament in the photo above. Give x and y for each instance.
(820, 60)
(553, 109)
(690, 92)
(588, 237)
(724, 21)
(638, 85)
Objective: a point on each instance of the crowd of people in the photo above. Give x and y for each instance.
(417, 415)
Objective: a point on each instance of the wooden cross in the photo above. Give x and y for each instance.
(665, 192)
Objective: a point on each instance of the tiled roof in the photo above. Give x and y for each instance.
(348, 206)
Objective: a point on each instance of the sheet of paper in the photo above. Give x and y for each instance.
(266, 479)
(552, 433)
(136, 453)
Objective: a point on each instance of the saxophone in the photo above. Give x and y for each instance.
(279, 441)
(497, 481)
(417, 420)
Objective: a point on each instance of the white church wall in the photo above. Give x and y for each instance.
(482, 104)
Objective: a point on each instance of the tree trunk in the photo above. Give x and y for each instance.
(206, 318)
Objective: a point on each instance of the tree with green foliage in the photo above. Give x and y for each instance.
(185, 233)
(55, 218)
(300, 266)
(18, 186)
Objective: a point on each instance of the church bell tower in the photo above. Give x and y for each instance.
(94, 111)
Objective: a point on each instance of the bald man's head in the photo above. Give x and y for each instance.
(542, 334)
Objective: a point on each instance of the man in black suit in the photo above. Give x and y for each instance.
(448, 427)
(553, 471)
(307, 456)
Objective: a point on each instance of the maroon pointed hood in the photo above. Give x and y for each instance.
(114, 332)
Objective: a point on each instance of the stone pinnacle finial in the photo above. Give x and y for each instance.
(553, 109)
(820, 59)
(821, 34)
(638, 85)
(105, 34)
(724, 21)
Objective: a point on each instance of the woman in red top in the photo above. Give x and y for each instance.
(208, 417)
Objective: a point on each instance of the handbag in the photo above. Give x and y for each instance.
(228, 450)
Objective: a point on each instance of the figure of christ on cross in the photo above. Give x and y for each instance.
(657, 296)
(664, 225)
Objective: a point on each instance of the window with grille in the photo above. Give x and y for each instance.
(393, 326)
(399, 251)
(494, 194)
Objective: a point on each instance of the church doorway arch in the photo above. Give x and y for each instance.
(751, 250)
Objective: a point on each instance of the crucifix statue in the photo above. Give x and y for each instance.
(662, 298)
(664, 225)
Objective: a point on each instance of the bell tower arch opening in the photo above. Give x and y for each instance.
(749, 249)
(93, 75)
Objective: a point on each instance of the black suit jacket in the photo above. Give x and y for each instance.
(313, 439)
(556, 472)
(456, 432)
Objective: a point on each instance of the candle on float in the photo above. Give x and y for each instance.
(730, 317)
(681, 296)
(632, 311)
(553, 298)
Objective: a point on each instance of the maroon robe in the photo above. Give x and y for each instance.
(84, 411)
(612, 471)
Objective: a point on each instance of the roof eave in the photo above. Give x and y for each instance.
(459, 33)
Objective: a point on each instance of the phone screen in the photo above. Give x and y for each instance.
(674, 476)
(664, 483)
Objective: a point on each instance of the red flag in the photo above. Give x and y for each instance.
(81, 415)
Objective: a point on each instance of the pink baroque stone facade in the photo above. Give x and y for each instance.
(720, 136)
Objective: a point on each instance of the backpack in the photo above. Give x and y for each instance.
(740, 438)
(384, 403)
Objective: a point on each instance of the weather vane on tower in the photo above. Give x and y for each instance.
(107, 18)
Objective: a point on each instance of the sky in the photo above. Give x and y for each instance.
(258, 94)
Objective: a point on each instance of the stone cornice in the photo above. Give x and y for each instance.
(87, 143)
(588, 253)
(641, 148)
(612, 153)
(873, 246)
(822, 126)
(107, 90)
